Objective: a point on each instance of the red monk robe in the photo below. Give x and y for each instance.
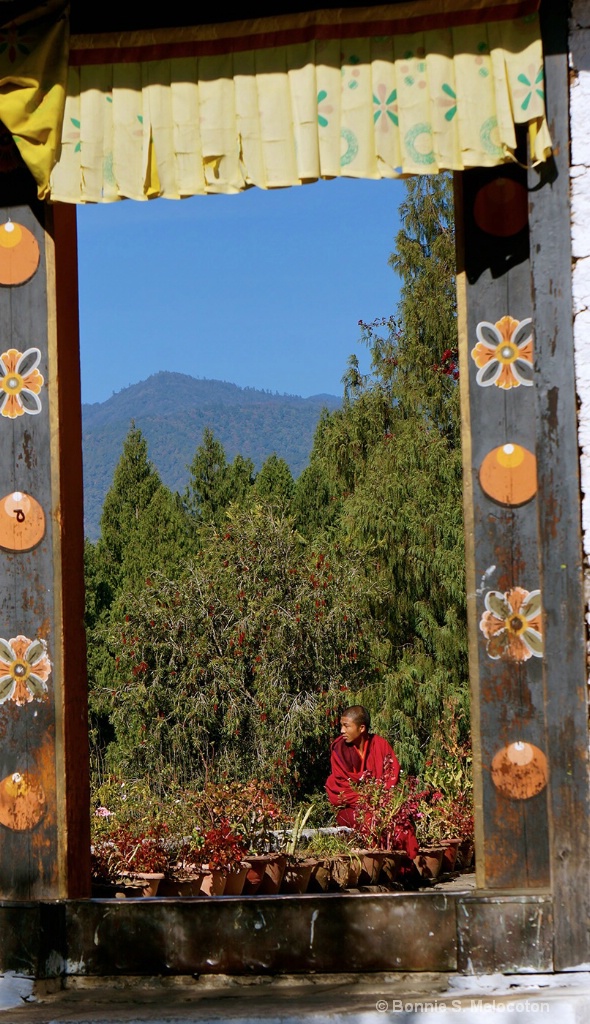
(348, 765)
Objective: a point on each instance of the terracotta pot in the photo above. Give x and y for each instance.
(181, 886)
(297, 876)
(429, 861)
(235, 880)
(345, 870)
(372, 862)
(392, 864)
(255, 873)
(273, 875)
(465, 854)
(213, 881)
(320, 876)
(147, 881)
(112, 890)
(451, 849)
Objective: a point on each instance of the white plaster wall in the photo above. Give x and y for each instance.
(580, 194)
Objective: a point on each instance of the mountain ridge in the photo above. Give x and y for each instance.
(172, 410)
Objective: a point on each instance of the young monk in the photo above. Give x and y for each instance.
(357, 751)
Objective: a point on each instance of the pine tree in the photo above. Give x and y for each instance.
(144, 530)
(214, 483)
(274, 480)
(135, 483)
(391, 458)
(424, 258)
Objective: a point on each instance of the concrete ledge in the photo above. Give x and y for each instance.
(512, 933)
(319, 934)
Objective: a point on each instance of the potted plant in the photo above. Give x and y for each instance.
(299, 867)
(249, 807)
(337, 865)
(223, 853)
(185, 873)
(131, 858)
(450, 774)
(252, 813)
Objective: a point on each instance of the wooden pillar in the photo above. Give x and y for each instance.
(504, 593)
(523, 533)
(44, 817)
(559, 514)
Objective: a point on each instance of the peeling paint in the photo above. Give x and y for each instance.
(580, 216)
(314, 918)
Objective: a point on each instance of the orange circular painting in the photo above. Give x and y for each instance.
(520, 770)
(508, 475)
(19, 254)
(501, 208)
(22, 801)
(22, 522)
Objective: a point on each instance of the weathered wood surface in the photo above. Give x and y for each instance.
(44, 831)
(502, 543)
(28, 861)
(73, 790)
(505, 933)
(395, 932)
(558, 506)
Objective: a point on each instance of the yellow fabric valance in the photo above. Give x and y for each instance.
(369, 92)
(365, 107)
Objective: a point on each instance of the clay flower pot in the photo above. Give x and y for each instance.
(235, 880)
(371, 863)
(451, 849)
(181, 886)
(273, 875)
(465, 855)
(297, 876)
(146, 883)
(392, 863)
(345, 869)
(429, 861)
(255, 873)
(213, 881)
(320, 876)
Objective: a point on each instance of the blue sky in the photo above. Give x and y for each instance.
(263, 289)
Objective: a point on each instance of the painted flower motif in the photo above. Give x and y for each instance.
(482, 53)
(504, 353)
(532, 82)
(512, 624)
(450, 102)
(20, 383)
(24, 670)
(416, 66)
(74, 136)
(15, 41)
(323, 108)
(387, 109)
(353, 74)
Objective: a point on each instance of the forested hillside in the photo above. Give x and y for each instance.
(173, 409)
(229, 626)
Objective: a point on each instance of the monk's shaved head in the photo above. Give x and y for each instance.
(358, 714)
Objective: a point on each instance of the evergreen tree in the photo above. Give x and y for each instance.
(392, 460)
(145, 530)
(244, 627)
(251, 653)
(135, 483)
(274, 480)
(214, 483)
(241, 480)
(424, 258)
